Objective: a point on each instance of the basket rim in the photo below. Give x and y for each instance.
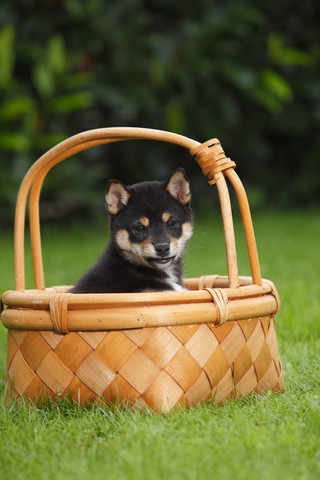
(210, 301)
(196, 290)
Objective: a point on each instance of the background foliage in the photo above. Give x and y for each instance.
(243, 71)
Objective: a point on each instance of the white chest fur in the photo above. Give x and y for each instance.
(172, 280)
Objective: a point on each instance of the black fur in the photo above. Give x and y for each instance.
(115, 271)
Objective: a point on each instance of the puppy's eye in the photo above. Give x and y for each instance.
(139, 228)
(172, 222)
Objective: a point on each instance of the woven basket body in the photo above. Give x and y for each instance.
(213, 342)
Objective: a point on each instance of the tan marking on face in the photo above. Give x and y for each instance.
(186, 231)
(122, 239)
(186, 234)
(134, 251)
(145, 248)
(174, 245)
(144, 221)
(165, 217)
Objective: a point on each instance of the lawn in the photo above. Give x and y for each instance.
(271, 437)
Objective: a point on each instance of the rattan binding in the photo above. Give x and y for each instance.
(161, 350)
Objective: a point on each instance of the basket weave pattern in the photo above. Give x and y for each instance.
(184, 364)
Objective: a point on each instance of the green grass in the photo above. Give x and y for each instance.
(269, 437)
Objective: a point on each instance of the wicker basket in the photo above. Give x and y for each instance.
(213, 342)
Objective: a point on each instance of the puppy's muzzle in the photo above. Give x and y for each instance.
(163, 257)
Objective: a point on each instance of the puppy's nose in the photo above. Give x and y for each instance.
(162, 249)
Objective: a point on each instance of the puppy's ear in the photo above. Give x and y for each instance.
(178, 186)
(117, 196)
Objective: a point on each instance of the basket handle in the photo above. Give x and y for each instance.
(209, 155)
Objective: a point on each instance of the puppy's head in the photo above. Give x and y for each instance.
(151, 222)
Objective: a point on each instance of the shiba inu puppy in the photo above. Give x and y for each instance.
(150, 225)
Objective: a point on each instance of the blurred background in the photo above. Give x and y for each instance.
(244, 71)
